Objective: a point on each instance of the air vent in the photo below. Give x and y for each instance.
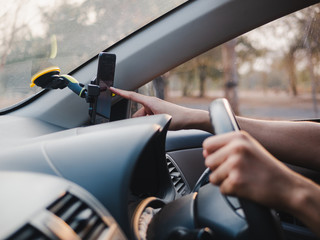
(28, 233)
(287, 218)
(79, 216)
(176, 177)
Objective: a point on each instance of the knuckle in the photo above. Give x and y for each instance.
(236, 180)
(208, 162)
(225, 190)
(207, 143)
(242, 135)
(241, 143)
(235, 161)
(233, 184)
(229, 188)
(240, 146)
(213, 178)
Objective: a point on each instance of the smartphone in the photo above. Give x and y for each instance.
(105, 80)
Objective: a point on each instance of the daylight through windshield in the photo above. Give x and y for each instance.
(65, 33)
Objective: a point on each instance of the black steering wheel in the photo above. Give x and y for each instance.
(262, 223)
(206, 208)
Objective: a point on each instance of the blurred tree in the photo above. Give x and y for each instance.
(230, 74)
(185, 72)
(209, 64)
(14, 32)
(290, 65)
(312, 46)
(189, 80)
(202, 77)
(159, 87)
(308, 22)
(15, 43)
(247, 53)
(196, 71)
(306, 26)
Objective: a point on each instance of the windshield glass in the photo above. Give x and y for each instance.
(65, 33)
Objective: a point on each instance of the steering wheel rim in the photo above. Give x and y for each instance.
(262, 222)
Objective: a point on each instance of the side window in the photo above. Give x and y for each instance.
(271, 72)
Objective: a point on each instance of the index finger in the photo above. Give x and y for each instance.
(137, 97)
(211, 144)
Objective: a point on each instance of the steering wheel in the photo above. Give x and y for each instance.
(261, 221)
(226, 217)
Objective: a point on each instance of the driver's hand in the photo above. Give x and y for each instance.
(242, 167)
(182, 117)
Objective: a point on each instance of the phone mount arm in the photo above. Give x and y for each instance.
(50, 78)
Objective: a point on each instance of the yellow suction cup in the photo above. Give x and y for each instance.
(54, 70)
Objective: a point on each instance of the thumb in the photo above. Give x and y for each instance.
(140, 113)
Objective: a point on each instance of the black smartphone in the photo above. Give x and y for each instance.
(105, 80)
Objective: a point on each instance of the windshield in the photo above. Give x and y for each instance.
(65, 33)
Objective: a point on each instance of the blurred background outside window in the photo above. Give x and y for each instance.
(271, 72)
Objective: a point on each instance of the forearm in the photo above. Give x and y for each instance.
(304, 203)
(292, 142)
(198, 119)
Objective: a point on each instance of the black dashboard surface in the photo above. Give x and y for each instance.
(110, 161)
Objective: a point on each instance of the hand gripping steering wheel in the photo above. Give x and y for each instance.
(261, 222)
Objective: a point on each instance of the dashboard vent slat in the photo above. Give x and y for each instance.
(60, 203)
(28, 232)
(175, 174)
(180, 186)
(287, 218)
(96, 231)
(79, 216)
(175, 181)
(176, 177)
(70, 212)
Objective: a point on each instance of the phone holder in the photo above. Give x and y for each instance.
(50, 78)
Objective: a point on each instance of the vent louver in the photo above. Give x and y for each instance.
(28, 233)
(79, 216)
(293, 228)
(176, 177)
(287, 218)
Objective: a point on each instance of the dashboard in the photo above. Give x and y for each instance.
(112, 166)
(38, 206)
(56, 183)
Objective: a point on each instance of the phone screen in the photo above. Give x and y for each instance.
(105, 79)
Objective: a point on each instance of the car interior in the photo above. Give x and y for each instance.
(63, 177)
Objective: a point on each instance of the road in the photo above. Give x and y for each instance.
(264, 105)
